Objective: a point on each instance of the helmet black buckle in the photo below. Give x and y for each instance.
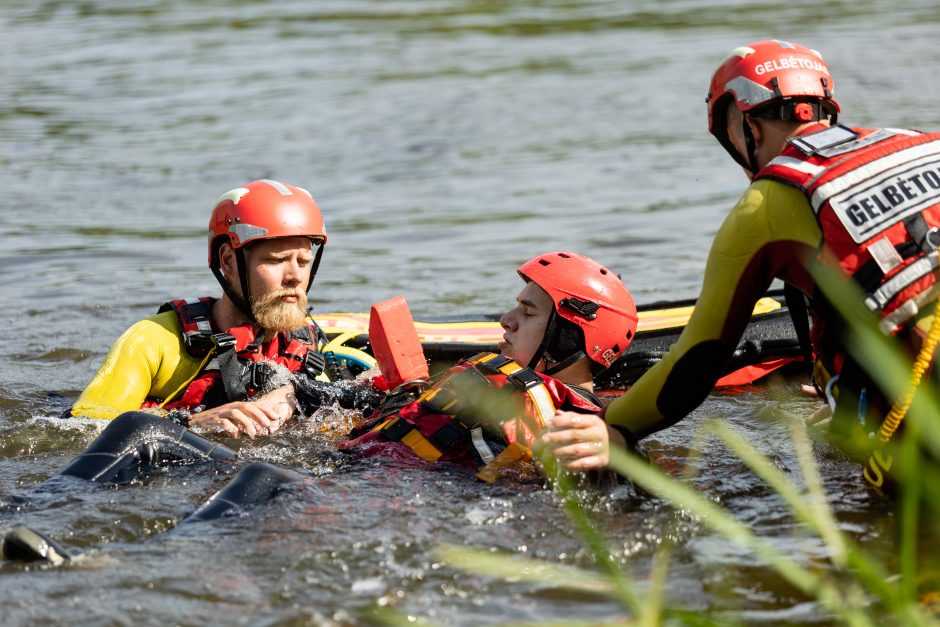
(586, 308)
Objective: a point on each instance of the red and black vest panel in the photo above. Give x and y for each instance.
(482, 412)
(876, 196)
(240, 363)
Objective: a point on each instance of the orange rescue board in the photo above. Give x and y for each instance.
(395, 342)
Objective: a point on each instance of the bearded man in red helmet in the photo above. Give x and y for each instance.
(862, 202)
(227, 364)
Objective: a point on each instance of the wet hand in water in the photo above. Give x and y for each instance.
(580, 442)
(261, 417)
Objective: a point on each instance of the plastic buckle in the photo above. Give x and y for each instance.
(223, 341)
(524, 379)
(314, 362)
(255, 372)
(931, 239)
(198, 342)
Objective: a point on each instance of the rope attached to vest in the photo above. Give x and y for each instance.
(899, 410)
(921, 364)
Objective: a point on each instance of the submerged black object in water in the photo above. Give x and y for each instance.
(255, 484)
(137, 439)
(23, 544)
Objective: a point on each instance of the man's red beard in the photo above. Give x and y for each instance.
(272, 314)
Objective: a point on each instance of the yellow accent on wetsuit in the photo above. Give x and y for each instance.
(149, 361)
(770, 233)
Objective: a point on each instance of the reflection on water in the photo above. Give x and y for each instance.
(445, 142)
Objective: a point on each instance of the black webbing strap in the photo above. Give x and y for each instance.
(869, 276)
(917, 228)
(449, 434)
(396, 430)
(231, 371)
(492, 365)
(796, 303)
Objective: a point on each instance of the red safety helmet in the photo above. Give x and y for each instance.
(263, 209)
(589, 296)
(779, 79)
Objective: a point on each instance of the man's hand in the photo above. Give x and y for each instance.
(263, 416)
(580, 442)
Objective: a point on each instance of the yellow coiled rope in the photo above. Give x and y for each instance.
(924, 357)
(877, 462)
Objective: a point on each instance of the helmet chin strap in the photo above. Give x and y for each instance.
(750, 145)
(551, 330)
(318, 247)
(570, 360)
(240, 302)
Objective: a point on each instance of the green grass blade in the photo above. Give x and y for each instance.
(719, 520)
(525, 569)
(591, 536)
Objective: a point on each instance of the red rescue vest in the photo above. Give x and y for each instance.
(240, 362)
(876, 196)
(487, 402)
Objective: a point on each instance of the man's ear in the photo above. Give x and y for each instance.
(757, 129)
(227, 262)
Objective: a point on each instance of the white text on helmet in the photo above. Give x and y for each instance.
(789, 63)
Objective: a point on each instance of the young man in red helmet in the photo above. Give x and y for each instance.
(226, 364)
(862, 202)
(573, 319)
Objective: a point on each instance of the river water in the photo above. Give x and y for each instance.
(445, 141)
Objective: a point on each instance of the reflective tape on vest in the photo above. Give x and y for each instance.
(798, 164)
(541, 398)
(893, 321)
(479, 443)
(883, 295)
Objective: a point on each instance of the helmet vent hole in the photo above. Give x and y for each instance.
(544, 262)
(604, 271)
(629, 334)
(564, 256)
(616, 348)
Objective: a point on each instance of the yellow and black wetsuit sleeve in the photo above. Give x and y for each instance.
(770, 233)
(148, 361)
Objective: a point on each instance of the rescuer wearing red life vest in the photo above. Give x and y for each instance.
(573, 319)
(228, 362)
(864, 202)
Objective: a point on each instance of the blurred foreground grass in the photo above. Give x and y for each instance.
(852, 585)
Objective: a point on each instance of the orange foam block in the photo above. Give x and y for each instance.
(395, 342)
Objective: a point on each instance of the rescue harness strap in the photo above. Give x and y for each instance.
(431, 448)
